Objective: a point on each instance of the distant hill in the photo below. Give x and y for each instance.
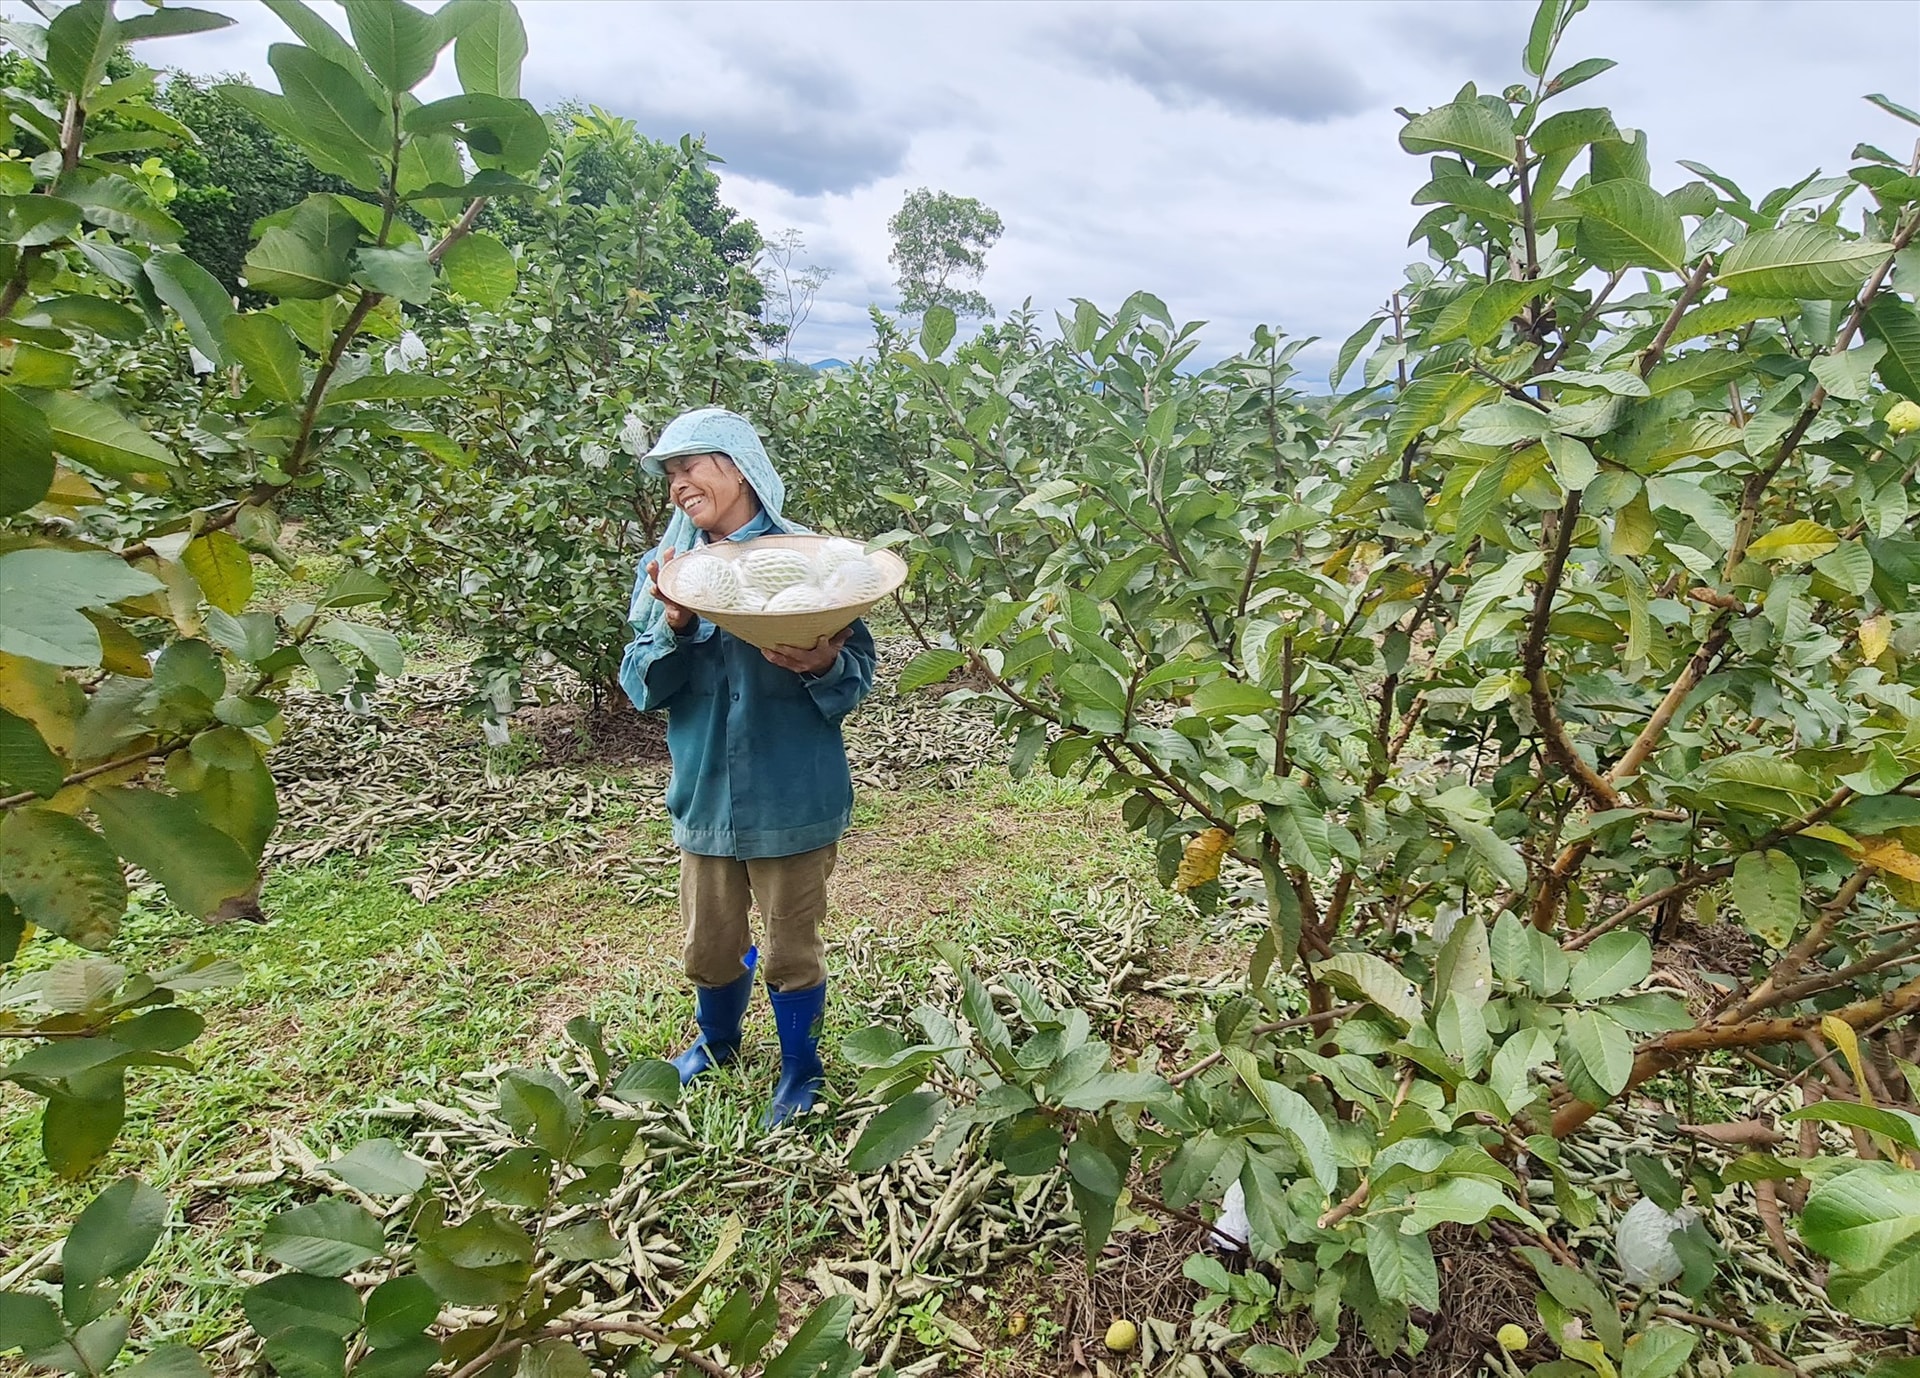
(822, 365)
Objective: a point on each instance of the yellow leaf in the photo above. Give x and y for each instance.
(223, 569)
(1826, 832)
(1875, 633)
(1200, 862)
(1796, 542)
(44, 696)
(120, 650)
(1890, 856)
(71, 490)
(1840, 1035)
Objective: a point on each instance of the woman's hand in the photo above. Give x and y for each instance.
(678, 618)
(816, 659)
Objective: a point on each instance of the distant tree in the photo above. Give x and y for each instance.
(790, 288)
(938, 239)
(239, 171)
(601, 160)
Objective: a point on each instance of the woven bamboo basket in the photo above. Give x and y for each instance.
(767, 629)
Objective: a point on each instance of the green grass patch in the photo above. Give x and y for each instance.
(353, 992)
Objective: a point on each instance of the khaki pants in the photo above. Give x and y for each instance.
(715, 892)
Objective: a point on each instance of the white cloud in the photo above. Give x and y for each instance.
(1240, 162)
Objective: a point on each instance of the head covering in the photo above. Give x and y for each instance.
(710, 430)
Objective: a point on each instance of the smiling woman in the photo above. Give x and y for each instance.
(761, 790)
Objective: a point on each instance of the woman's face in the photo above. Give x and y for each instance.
(711, 490)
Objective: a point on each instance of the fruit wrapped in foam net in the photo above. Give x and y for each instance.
(834, 554)
(708, 581)
(797, 598)
(854, 581)
(767, 572)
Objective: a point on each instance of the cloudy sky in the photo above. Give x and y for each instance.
(1239, 160)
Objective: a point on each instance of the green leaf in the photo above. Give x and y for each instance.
(222, 568)
(1615, 962)
(1571, 129)
(648, 1082)
(892, 1133)
(26, 452)
(299, 1301)
(821, 1338)
(330, 103)
(1866, 1220)
(117, 205)
(554, 1358)
(397, 42)
(1796, 543)
(584, 1240)
(1659, 1351)
(1464, 966)
(1894, 323)
(35, 220)
(1731, 314)
(97, 435)
(481, 269)
(1227, 698)
(929, 668)
(380, 1167)
(380, 646)
(1293, 1115)
(287, 264)
(114, 1234)
(1809, 262)
(327, 1238)
(384, 387)
(1901, 1126)
(1625, 224)
(172, 22)
(26, 761)
(1766, 890)
(42, 592)
(28, 1322)
(202, 868)
(1481, 132)
(936, 331)
(1361, 975)
(196, 296)
(168, 1360)
(277, 113)
(504, 134)
(80, 1124)
(490, 47)
(1502, 858)
(1350, 349)
(266, 349)
(62, 875)
(404, 272)
(399, 1309)
(1546, 21)
(1603, 1053)
(1584, 70)
(79, 41)
(303, 1352)
(1402, 1265)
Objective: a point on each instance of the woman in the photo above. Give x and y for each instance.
(760, 792)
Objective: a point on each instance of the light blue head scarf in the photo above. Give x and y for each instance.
(710, 430)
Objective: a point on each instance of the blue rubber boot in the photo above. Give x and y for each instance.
(719, 1011)
(796, 1018)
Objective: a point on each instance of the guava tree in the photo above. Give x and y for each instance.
(138, 686)
(1586, 617)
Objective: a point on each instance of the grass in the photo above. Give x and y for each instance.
(354, 991)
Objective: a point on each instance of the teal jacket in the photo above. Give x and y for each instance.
(759, 765)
